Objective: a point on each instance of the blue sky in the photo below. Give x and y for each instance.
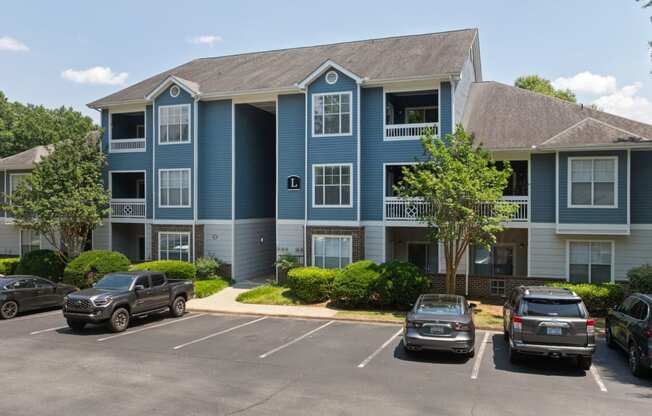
(50, 51)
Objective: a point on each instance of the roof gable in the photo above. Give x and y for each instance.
(190, 87)
(592, 132)
(329, 64)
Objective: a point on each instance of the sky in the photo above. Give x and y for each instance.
(70, 52)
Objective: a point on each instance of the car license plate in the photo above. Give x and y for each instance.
(553, 330)
(436, 330)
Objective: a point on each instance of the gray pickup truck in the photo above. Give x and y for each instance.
(118, 297)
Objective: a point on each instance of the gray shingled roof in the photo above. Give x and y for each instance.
(402, 57)
(26, 159)
(507, 117)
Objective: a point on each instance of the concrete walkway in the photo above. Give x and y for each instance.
(224, 302)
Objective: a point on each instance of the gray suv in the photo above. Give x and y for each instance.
(547, 321)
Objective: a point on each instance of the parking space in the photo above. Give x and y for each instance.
(269, 365)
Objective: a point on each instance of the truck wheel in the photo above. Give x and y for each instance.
(584, 363)
(178, 307)
(8, 309)
(119, 320)
(76, 325)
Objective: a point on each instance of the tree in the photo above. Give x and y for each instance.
(456, 178)
(25, 126)
(543, 86)
(63, 198)
(645, 4)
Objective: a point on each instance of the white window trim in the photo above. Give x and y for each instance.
(158, 122)
(569, 181)
(613, 257)
(315, 236)
(312, 115)
(189, 205)
(11, 181)
(337, 77)
(426, 107)
(181, 233)
(314, 168)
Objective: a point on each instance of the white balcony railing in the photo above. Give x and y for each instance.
(128, 208)
(409, 131)
(400, 209)
(127, 145)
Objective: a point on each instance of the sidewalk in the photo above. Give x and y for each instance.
(224, 302)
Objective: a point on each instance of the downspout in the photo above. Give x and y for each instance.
(194, 179)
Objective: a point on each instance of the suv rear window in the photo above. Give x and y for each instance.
(552, 307)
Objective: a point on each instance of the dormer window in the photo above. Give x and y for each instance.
(175, 91)
(331, 77)
(331, 114)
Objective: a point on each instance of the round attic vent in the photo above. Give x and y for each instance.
(174, 91)
(331, 77)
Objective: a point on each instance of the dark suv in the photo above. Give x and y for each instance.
(629, 326)
(547, 321)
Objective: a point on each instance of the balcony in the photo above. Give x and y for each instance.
(411, 131)
(127, 132)
(127, 208)
(410, 210)
(411, 114)
(127, 145)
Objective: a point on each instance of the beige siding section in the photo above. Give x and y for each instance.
(102, 237)
(218, 239)
(9, 240)
(289, 240)
(374, 238)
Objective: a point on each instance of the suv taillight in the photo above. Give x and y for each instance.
(647, 333)
(517, 323)
(590, 327)
(458, 326)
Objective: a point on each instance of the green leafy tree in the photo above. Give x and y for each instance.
(455, 179)
(63, 198)
(645, 4)
(543, 86)
(25, 126)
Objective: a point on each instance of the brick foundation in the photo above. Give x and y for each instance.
(357, 234)
(480, 286)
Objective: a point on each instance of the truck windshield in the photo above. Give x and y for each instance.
(552, 307)
(115, 282)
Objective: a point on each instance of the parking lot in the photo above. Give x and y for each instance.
(228, 364)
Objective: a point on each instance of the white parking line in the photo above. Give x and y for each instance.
(382, 347)
(135, 331)
(178, 347)
(287, 344)
(25, 318)
(598, 379)
(48, 330)
(478, 359)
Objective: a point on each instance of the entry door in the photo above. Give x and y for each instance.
(419, 255)
(503, 260)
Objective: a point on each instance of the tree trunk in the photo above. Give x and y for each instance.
(451, 274)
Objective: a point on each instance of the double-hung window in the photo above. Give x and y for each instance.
(16, 179)
(332, 186)
(331, 114)
(174, 124)
(590, 261)
(174, 246)
(174, 188)
(331, 252)
(592, 182)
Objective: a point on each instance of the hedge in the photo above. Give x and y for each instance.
(598, 298)
(173, 269)
(8, 266)
(207, 267)
(400, 284)
(90, 266)
(640, 279)
(353, 286)
(43, 263)
(311, 284)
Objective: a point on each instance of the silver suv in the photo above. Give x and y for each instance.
(551, 322)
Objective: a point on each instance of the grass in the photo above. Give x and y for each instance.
(204, 288)
(388, 316)
(488, 314)
(269, 295)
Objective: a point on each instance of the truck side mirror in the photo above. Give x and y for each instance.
(138, 288)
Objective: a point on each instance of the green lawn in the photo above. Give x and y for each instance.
(387, 316)
(204, 288)
(269, 295)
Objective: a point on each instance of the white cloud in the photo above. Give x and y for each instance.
(7, 43)
(626, 102)
(209, 40)
(587, 83)
(97, 75)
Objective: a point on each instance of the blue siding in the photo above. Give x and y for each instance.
(446, 109)
(214, 160)
(174, 156)
(255, 148)
(593, 215)
(291, 155)
(341, 149)
(542, 183)
(641, 187)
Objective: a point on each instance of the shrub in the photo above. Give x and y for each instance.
(311, 284)
(353, 286)
(8, 266)
(598, 298)
(43, 263)
(640, 279)
(173, 269)
(90, 266)
(207, 267)
(400, 284)
(286, 262)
